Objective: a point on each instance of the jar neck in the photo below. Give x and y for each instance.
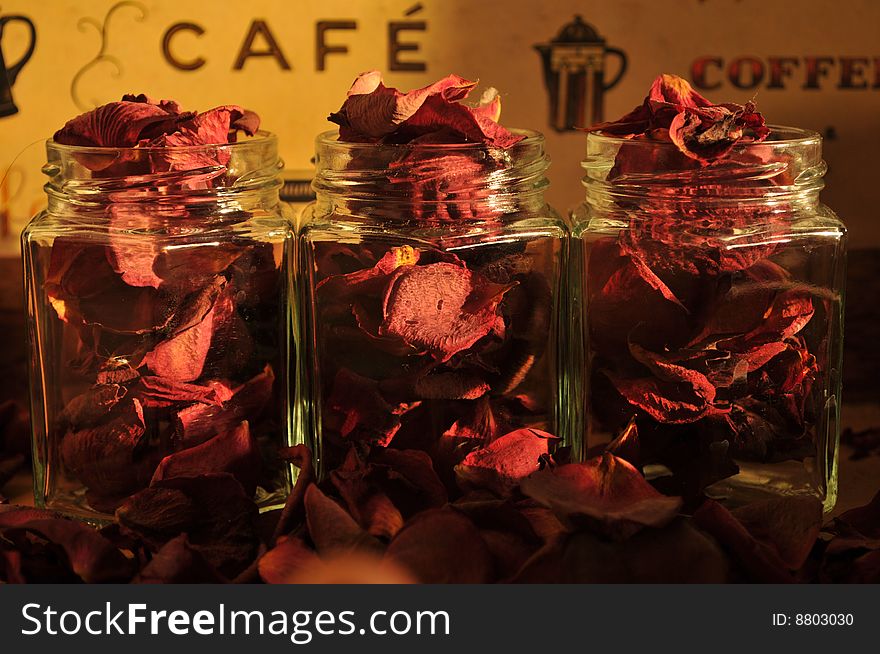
(643, 177)
(170, 182)
(425, 184)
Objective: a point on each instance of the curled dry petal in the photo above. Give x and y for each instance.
(331, 528)
(762, 562)
(442, 307)
(373, 112)
(503, 463)
(701, 130)
(91, 557)
(177, 562)
(442, 546)
(212, 509)
(605, 494)
(235, 452)
(102, 457)
(199, 422)
(116, 125)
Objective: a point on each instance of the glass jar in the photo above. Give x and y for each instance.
(159, 322)
(433, 299)
(713, 304)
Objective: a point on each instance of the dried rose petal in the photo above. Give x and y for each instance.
(365, 414)
(504, 463)
(442, 546)
(359, 484)
(197, 423)
(452, 385)
(373, 112)
(92, 406)
(412, 482)
(103, 457)
(182, 357)
(91, 556)
(432, 308)
(700, 130)
(605, 494)
(789, 525)
(160, 392)
(116, 125)
(177, 562)
(235, 452)
(331, 528)
(763, 563)
(213, 510)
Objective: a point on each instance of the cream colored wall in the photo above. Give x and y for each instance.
(489, 39)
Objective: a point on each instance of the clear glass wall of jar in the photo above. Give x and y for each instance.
(713, 302)
(433, 299)
(159, 322)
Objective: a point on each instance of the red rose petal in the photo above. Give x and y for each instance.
(442, 546)
(102, 457)
(505, 462)
(235, 452)
(430, 308)
(199, 422)
(331, 528)
(373, 112)
(161, 392)
(605, 494)
(115, 125)
(91, 556)
(213, 510)
(178, 562)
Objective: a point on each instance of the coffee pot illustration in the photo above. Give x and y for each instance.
(574, 74)
(9, 75)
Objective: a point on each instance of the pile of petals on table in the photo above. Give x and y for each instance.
(384, 516)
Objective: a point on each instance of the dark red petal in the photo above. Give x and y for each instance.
(117, 124)
(103, 457)
(235, 452)
(177, 562)
(373, 110)
(360, 486)
(92, 406)
(361, 412)
(788, 525)
(504, 463)
(430, 307)
(213, 510)
(442, 546)
(605, 494)
(331, 528)
(91, 556)
(160, 392)
(199, 422)
(182, 357)
(762, 563)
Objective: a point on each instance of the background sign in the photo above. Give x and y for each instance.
(814, 63)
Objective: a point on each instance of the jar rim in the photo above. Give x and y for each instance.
(781, 136)
(261, 138)
(330, 139)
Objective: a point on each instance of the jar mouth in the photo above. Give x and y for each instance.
(93, 175)
(429, 182)
(262, 139)
(782, 137)
(330, 140)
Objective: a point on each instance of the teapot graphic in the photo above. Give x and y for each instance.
(574, 74)
(9, 75)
